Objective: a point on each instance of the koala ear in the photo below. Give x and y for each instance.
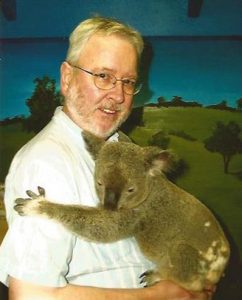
(93, 143)
(158, 160)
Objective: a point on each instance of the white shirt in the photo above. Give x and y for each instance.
(42, 251)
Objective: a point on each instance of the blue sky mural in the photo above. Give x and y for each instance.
(196, 58)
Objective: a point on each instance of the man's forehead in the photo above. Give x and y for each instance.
(106, 52)
(108, 40)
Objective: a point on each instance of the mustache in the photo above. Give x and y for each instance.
(111, 106)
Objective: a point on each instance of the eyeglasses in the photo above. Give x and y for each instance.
(107, 81)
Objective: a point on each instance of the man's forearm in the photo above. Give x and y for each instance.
(20, 290)
(91, 293)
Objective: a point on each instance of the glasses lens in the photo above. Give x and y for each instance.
(104, 81)
(132, 89)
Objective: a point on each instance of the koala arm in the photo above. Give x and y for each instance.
(95, 224)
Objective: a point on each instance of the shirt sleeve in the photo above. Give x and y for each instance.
(35, 249)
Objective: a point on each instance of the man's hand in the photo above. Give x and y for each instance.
(167, 290)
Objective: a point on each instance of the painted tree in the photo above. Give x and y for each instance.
(42, 104)
(226, 141)
(161, 101)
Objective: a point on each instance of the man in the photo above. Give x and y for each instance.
(39, 259)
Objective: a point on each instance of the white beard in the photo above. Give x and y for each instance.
(77, 111)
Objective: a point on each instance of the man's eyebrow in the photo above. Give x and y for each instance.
(105, 69)
(113, 71)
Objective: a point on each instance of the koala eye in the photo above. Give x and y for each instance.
(99, 183)
(131, 189)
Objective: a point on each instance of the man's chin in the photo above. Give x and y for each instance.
(101, 131)
(104, 128)
(104, 133)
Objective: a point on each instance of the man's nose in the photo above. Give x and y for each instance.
(117, 92)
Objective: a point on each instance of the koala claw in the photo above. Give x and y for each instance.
(150, 278)
(30, 206)
(19, 207)
(33, 195)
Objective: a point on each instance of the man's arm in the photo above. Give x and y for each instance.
(165, 290)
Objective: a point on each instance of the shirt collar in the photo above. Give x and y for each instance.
(74, 129)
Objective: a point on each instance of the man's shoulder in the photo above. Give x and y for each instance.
(49, 144)
(42, 143)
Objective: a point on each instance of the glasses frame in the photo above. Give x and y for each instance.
(136, 91)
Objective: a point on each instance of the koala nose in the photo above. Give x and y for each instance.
(110, 199)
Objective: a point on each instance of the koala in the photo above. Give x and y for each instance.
(173, 229)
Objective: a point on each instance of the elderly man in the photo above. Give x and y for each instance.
(39, 259)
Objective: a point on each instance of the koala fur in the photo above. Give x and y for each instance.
(173, 228)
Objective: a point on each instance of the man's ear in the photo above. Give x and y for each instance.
(93, 143)
(157, 160)
(66, 76)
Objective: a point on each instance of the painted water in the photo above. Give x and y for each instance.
(206, 70)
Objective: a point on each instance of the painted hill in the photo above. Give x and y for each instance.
(205, 177)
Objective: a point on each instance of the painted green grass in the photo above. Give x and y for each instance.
(12, 137)
(205, 177)
(197, 122)
(206, 180)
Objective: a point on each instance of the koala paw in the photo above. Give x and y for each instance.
(150, 278)
(30, 206)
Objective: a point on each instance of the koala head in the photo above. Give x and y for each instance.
(123, 171)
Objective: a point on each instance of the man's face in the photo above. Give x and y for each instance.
(93, 109)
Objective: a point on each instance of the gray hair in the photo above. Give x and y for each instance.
(105, 27)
